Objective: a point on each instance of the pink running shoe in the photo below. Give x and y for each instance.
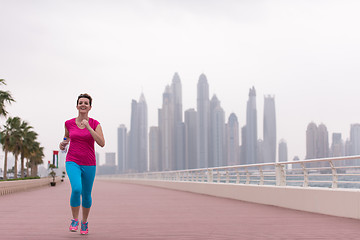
(74, 225)
(84, 228)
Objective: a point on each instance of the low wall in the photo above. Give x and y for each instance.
(336, 202)
(7, 187)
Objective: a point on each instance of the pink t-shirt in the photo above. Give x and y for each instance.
(81, 149)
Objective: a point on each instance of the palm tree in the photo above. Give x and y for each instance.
(16, 143)
(5, 141)
(5, 97)
(7, 138)
(31, 147)
(28, 138)
(36, 158)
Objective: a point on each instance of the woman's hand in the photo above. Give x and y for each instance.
(85, 123)
(64, 143)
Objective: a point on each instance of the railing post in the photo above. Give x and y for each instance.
(227, 176)
(210, 175)
(306, 175)
(261, 176)
(247, 176)
(334, 175)
(280, 175)
(237, 176)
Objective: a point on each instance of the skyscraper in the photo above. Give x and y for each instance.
(337, 148)
(233, 148)
(260, 151)
(191, 139)
(217, 134)
(243, 146)
(311, 141)
(355, 139)
(322, 144)
(203, 116)
(166, 127)
(347, 147)
(179, 128)
(317, 143)
(251, 129)
(110, 159)
(269, 144)
(143, 131)
(154, 150)
(283, 152)
(133, 159)
(337, 145)
(138, 137)
(122, 147)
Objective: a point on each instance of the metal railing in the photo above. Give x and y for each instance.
(340, 172)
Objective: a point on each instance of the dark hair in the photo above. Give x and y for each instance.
(84, 95)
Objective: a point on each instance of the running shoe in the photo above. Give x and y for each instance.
(84, 228)
(74, 225)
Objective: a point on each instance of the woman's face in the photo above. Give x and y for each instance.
(83, 105)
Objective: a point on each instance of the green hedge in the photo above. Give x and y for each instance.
(13, 179)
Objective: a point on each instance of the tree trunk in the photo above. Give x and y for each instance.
(22, 166)
(34, 170)
(5, 165)
(15, 166)
(27, 168)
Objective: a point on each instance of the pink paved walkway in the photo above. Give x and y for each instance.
(125, 211)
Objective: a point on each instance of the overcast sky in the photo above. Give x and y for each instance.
(305, 53)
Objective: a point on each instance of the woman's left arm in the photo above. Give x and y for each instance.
(97, 134)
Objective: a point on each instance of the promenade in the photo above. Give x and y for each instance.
(126, 211)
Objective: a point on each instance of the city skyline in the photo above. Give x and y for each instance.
(304, 53)
(220, 140)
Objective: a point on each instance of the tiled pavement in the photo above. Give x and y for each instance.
(125, 211)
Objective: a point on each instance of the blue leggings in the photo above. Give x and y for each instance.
(81, 180)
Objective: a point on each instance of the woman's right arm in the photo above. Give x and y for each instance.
(64, 142)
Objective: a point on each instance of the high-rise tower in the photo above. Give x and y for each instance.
(269, 143)
(203, 116)
(138, 136)
(283, 151)
(337, 145)
(251, 129)
(317, 143)
(311, 141)
(337, 148)
(177, 95)
(154, 149)
(122, 147)
(217, 134)
(132, 161)
(179, 128)
(143, 131)
(323, 142)
(190, 139)
(166, 126)
(355, 139)
(233, 148)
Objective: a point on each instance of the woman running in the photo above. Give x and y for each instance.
(82, 132)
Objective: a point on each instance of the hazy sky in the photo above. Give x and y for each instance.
(306, 53)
